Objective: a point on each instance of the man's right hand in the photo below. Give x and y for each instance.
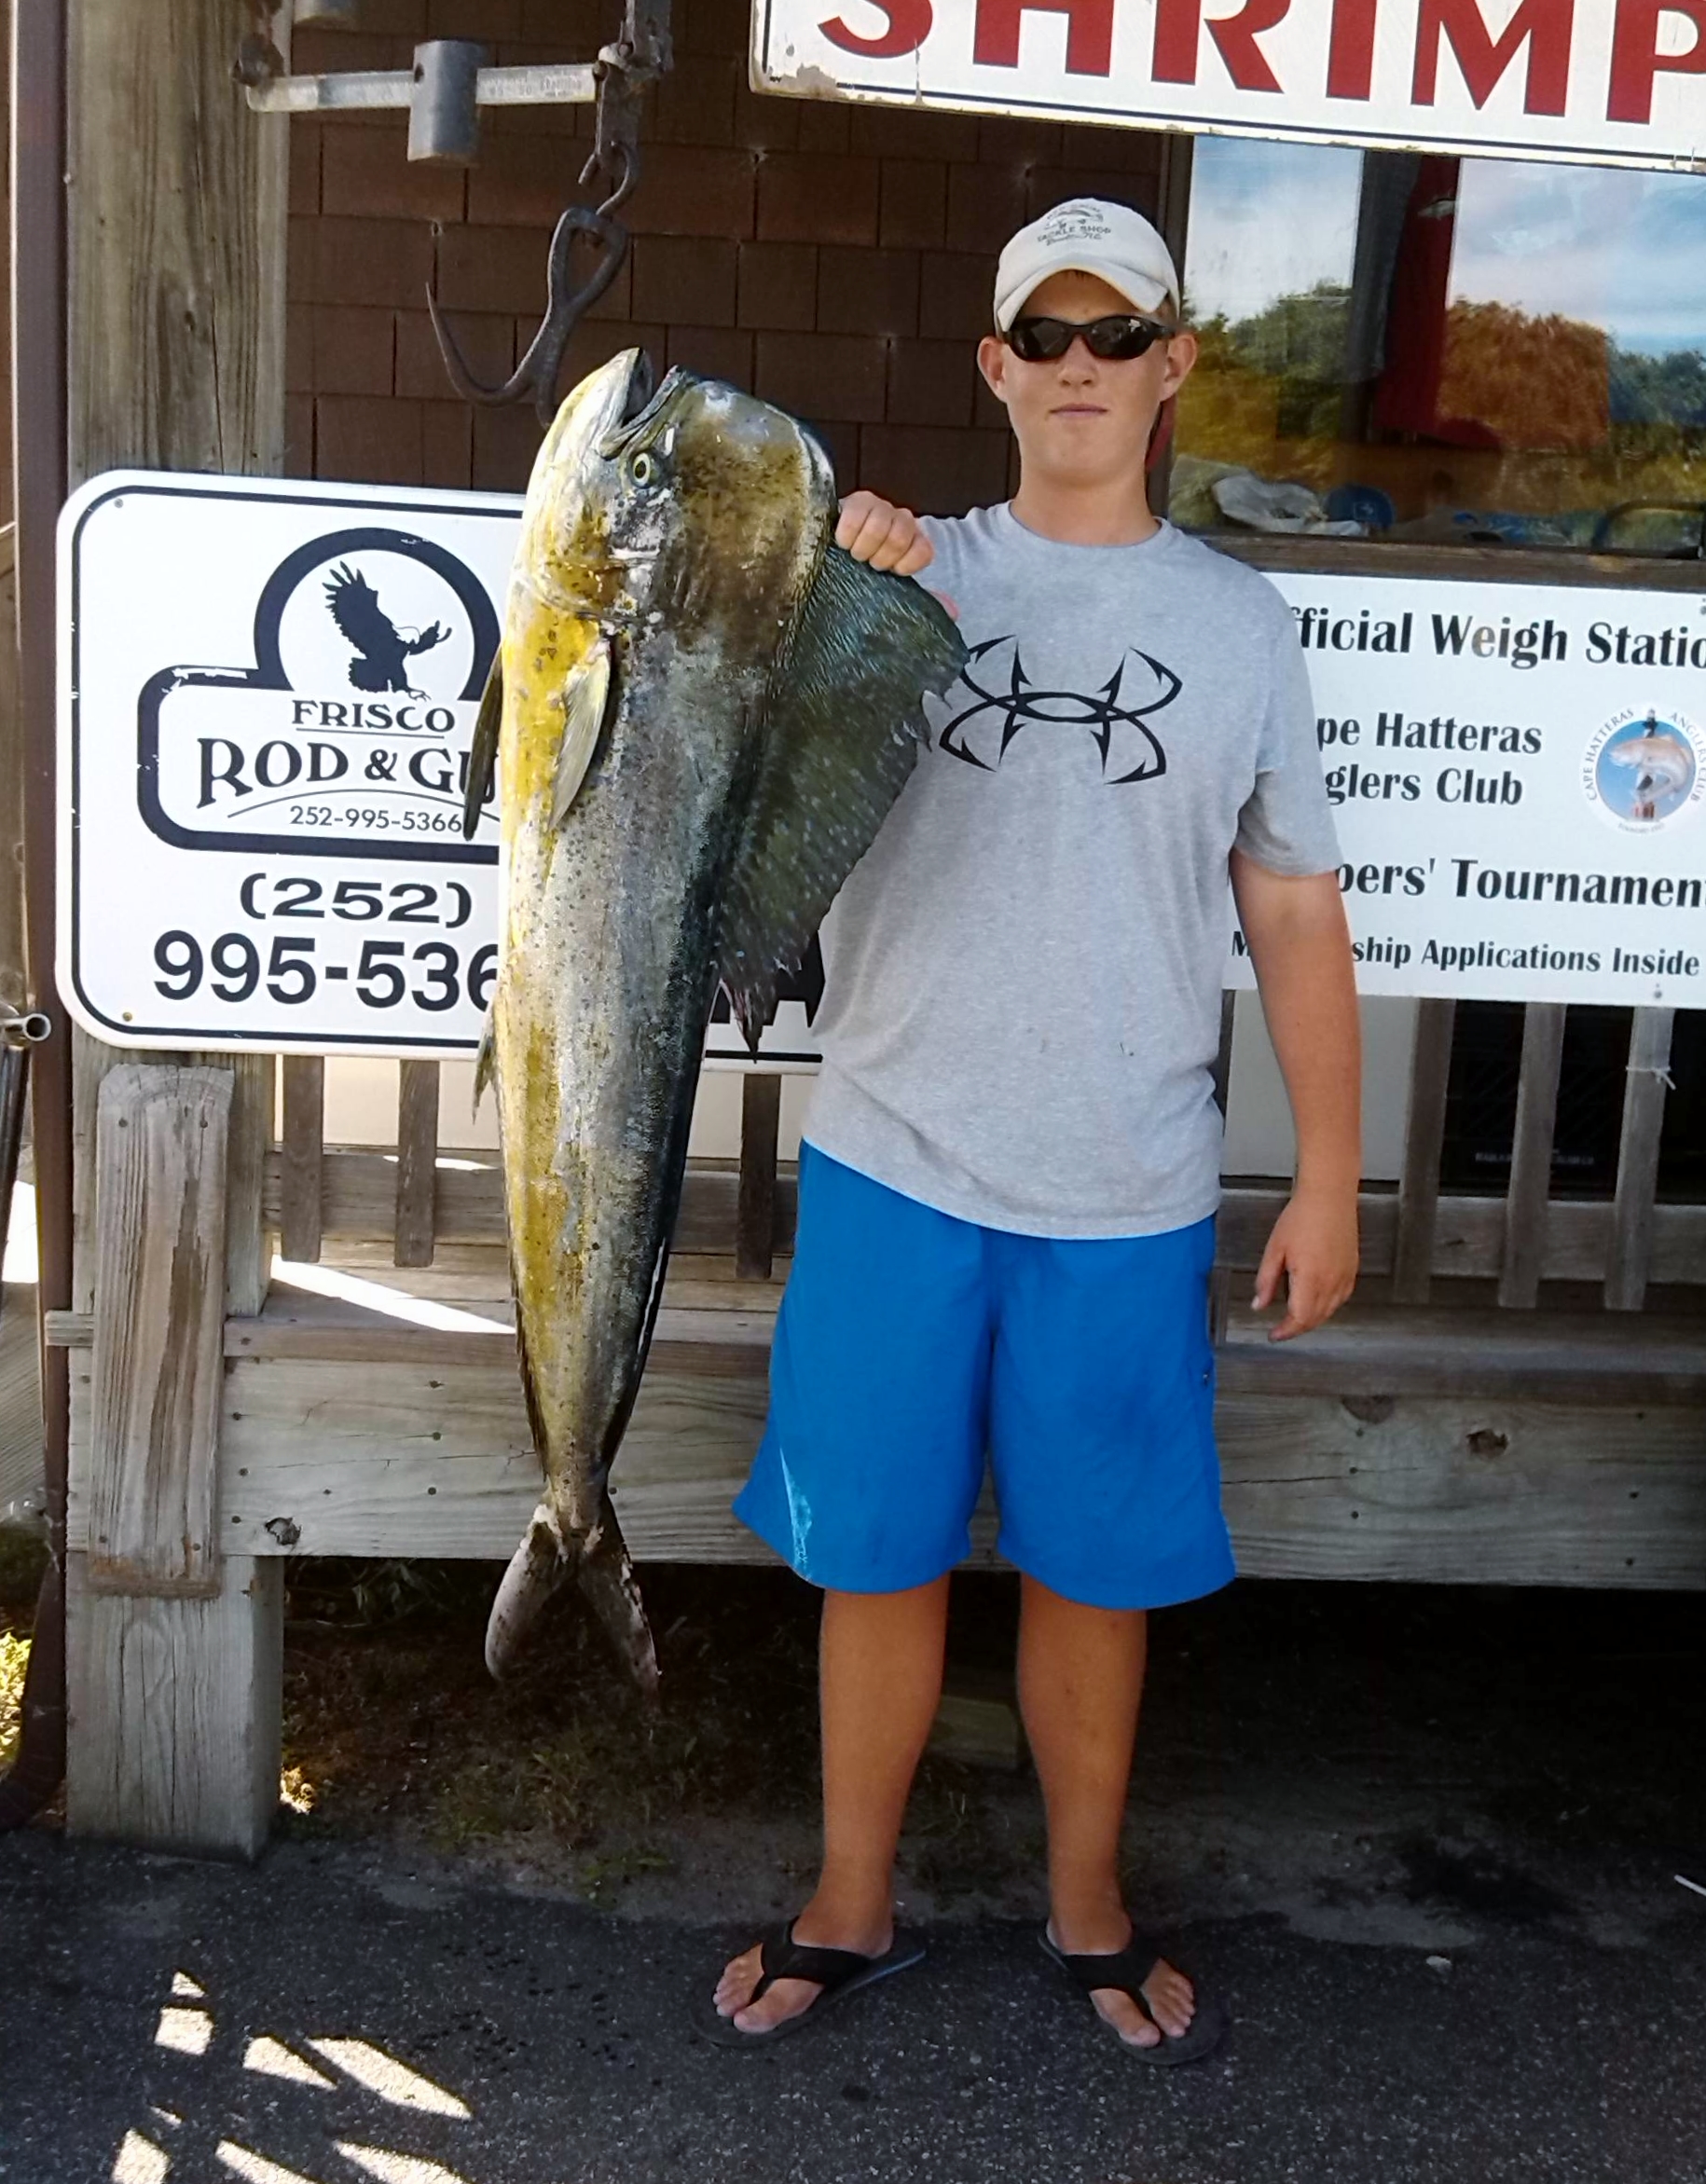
(882, 534)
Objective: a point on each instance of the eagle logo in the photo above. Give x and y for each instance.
(981, 731)
(382, 651)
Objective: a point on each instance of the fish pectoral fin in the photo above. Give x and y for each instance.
(844, 721)
(586, 696)
(483, 751)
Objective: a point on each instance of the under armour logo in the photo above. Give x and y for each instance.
(981, 731)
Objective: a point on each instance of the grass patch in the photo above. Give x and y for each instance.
(14, 1662)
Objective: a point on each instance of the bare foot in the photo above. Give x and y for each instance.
(786, 1998)
(1170, 1996)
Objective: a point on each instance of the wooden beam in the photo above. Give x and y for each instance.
(14, 970)
(187, 1753)
(159, 1320)
(176, 244)
(400, 1460)
(417, 1161)
(302, 1158)
(176, 200)
(761, 1110)
(1629, 1256)
(1467, 1234)
(1430, 1070)
(1528, 1195)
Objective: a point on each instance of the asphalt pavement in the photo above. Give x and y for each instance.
(1455, 1951)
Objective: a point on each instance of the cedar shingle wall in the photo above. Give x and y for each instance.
(837, 260)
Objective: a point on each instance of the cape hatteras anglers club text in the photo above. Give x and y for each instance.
(1519, 775)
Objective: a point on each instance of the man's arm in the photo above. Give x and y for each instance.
(1301, 948)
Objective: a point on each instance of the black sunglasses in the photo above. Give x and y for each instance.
(1115, 339)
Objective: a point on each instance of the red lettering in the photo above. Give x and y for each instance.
(1350, 55)
(1179, 25)
(908, 26)
(1544, 25)
(1090, 33)
(1635, 58)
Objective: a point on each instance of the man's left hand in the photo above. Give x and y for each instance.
(1313, 1249)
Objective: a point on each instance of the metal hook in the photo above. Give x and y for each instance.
(623, 71)
(537, 373)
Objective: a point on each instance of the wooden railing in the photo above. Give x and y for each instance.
(1411, 1237)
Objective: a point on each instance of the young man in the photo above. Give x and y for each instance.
(1012, 1158)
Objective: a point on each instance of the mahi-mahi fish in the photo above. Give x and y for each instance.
(702, 710)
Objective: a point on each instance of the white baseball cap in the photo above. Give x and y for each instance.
(1086, 235)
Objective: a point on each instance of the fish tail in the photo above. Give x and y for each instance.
(599, 1562)
(538, 1569)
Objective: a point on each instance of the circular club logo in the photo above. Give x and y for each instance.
(1646, 771)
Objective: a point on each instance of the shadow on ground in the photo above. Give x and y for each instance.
(1422, 1842)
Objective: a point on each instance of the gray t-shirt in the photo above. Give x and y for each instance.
(1023, 973)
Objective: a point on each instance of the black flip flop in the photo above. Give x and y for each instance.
(840, 1973)
(1126, 1972)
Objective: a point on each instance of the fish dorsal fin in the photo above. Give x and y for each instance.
(483, 751)
(585, 701)
(844, 720)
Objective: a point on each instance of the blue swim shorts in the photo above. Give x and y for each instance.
(913, 1347)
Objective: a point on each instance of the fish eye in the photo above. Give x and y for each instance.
(643, 469)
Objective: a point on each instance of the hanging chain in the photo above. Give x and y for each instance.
(624, 70)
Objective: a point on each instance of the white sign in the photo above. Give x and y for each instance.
(1614, 82)
(266, 697)
(1519, 777)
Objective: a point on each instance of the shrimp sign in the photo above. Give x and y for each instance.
(1614, 82)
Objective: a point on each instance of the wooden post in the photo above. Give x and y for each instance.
(1644, 1118)
(416, 1162)
(176, 248)
(1430, 1070)
(14, 980)
(302, 1180)
(1530, 1189)
(761, 1108)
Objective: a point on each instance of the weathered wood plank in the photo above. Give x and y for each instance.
(1528, 1195)
(248, 1243)
(160, 1312)
(1379, 1351)
(14, 974)
(173, 1717)
(177, 196)
(761, 1113)
(1631, 1251)
(302, 1158)
(336, 1459)
(176, 199)
(417, 1161)
(1418, 1203)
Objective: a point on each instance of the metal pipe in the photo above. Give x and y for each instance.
(38, 471)
(539, 84)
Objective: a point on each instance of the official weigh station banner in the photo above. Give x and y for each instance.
(269, 691)
(1517, 773)
(1611, 82)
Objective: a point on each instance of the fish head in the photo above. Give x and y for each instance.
(701, 506)
(565, 556)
